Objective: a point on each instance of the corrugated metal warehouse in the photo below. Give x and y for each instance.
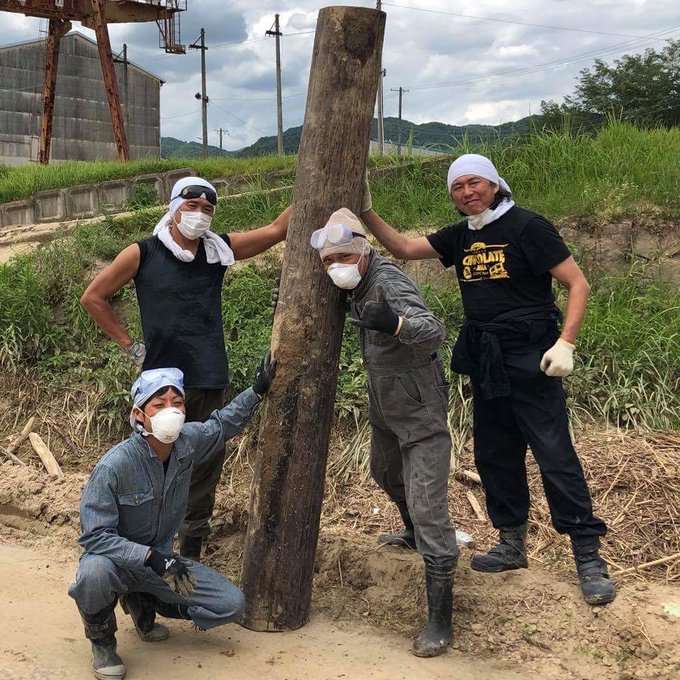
(82, 125)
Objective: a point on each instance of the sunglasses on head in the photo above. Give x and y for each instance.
(198, 191)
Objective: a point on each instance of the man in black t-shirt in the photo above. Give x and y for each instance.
(178, 274)
(512, 348)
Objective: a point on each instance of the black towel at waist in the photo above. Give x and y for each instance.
(479, 349)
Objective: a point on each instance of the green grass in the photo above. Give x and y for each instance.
(620, 171)
(628, 358)
(18, 182)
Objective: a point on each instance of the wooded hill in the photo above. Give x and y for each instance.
(438, 136)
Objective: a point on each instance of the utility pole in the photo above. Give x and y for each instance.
(202, 95)
(381, 115)
(401, 91)
(296, 416)
(222, 132)
(279, 100)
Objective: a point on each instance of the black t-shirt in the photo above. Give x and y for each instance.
(504, 266)
(180, 304)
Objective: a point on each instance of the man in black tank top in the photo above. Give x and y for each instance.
(178, 274)
(516, 355)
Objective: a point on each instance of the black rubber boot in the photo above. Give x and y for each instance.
(510, 553)
(436, 635)
(170, 610)
(100, 630)
(593, 575)
(403, 539)
(190, 547)
(139, 606)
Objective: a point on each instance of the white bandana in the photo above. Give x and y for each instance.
(480, 166)
(216, 248)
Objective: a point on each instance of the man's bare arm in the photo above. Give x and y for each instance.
(104, 286)
(569, 274)
(246, 244)
(402, 247)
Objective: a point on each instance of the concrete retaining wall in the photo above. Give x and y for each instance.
(88, 200)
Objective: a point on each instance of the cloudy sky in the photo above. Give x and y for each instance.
(494, 67)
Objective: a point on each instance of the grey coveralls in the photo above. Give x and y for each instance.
(408, 407)
(130, 504)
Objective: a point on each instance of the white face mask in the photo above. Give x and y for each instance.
(193, 225)
(345, 276)
(165, 425)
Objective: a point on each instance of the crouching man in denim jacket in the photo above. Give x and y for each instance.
(132, 507)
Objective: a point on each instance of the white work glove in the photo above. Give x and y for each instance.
(558, 361)
(137, 353)
(366, 201)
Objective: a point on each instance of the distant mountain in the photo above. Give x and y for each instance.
(176, 148)
(269, 145)
(438, 136)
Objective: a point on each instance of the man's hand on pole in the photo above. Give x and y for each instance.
(265, 375)
(367, 200)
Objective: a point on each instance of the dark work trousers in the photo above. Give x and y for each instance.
(534, 414)
(204, 477)
(411, 450)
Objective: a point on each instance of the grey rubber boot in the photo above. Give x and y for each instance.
(593, 575)
(100, 630)
(403, 539)
(509, 553)
(190, 547)
(139, 607)
(436, 636)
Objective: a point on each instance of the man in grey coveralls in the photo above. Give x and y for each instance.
(132, 507)
(408, 404)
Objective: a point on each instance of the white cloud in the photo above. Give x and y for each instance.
(458, 70)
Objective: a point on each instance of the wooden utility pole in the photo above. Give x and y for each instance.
(110, 83)
(285, 507)
(203, 96)
(222, 132)
(401, 91)
(58, 29)
(279, 100)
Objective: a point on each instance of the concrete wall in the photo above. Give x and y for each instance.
(88, 200)
(85, 200)
(82, 123)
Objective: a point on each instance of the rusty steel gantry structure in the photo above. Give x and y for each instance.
(96, 14)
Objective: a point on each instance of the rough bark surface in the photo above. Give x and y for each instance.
(287, 493)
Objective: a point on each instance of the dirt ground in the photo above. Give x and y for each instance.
(41, 639)
(368, 602)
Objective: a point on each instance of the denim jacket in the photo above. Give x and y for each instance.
(130, 504)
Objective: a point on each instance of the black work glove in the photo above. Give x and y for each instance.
(174, 570)
(265, 375)
(378, 316)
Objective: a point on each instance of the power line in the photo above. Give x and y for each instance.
(180, 115)
(258, 99)
(229, 113)
(511, 21)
